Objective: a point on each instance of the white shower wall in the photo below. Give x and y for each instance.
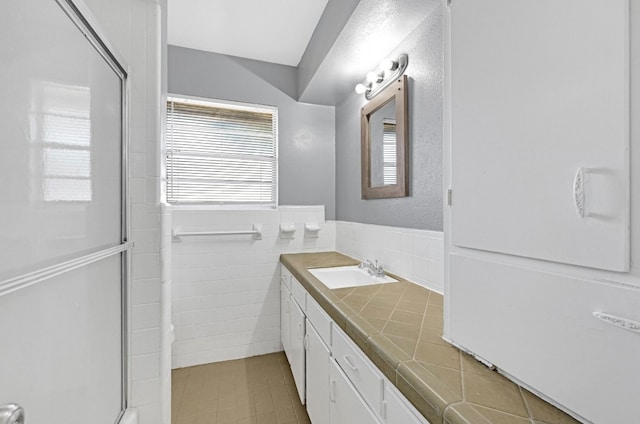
(226, 291)
(134, 28)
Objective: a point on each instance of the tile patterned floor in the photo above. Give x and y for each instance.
(257, 390)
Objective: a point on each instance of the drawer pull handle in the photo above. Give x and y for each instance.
(579, 183)
(351, 365)
(300, 331)
(332, 392)
(617, 321)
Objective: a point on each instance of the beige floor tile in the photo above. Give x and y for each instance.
(258, 390)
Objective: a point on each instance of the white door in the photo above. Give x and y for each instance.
(62, 228)
(346, 405)
(285, 320)
(540, 129)
(297, 348)
(318, 357)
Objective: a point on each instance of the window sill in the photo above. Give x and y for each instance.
(213, 207)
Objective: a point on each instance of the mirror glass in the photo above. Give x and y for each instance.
(384, 143)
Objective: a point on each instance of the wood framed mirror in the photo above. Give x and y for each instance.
(384, 143)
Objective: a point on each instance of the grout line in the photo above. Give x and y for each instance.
(472, 404)
(462, 377)
(395, 306)
(370, 297)
(424, 317)
(526, 404)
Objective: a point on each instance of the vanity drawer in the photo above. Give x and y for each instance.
(319, 319)
(362, 373)
(299, 294)
(543, 329)
(285, 276)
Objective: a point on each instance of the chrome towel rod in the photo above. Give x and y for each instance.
(256, 232)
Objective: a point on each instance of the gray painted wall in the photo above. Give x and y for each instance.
(306, 132)
(424, 208)
(333, 19)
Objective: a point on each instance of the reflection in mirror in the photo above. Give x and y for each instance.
(389, 151)
(384, 143)
(61, 132)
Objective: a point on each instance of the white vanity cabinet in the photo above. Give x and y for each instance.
(318, 357)
(346, 404)
(335, 379)
(538, 158)
(361, 372)
(285, 320)
(292, 327)
(396, 409)
(297, 360)
(298, 324)
(317, 342)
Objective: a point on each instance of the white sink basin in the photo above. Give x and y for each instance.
(348, 276)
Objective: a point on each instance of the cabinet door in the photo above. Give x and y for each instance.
(285, 276)
(318, 357)
(396, 410)
(285, 320)
(297, 348)
(346, 405)
(540, 129)
(541, 329)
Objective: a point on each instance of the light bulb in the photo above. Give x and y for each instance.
(373, 77)
(361, 88)
(388, 65)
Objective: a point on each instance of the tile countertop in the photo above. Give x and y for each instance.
(399, 327)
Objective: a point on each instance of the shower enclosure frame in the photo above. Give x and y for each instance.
(77, 12)
(81, 17)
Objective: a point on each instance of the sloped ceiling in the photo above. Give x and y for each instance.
(275, 31)
(372, 31)
(331, 43)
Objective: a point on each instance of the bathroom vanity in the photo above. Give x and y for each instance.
(375, 354)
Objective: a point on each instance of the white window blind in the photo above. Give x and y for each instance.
(389, 152)
(221, 154)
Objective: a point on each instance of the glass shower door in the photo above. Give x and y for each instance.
(63, 241)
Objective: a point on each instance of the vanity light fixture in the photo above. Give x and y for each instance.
(389, 71)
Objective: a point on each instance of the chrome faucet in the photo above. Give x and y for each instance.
(372, 268)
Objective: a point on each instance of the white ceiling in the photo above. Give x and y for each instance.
(276, 31)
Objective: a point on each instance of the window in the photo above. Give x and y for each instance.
(221, 153)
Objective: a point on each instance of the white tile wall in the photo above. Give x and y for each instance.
(133, 28)
(416, 255)
(226, 301)
(166, 329)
